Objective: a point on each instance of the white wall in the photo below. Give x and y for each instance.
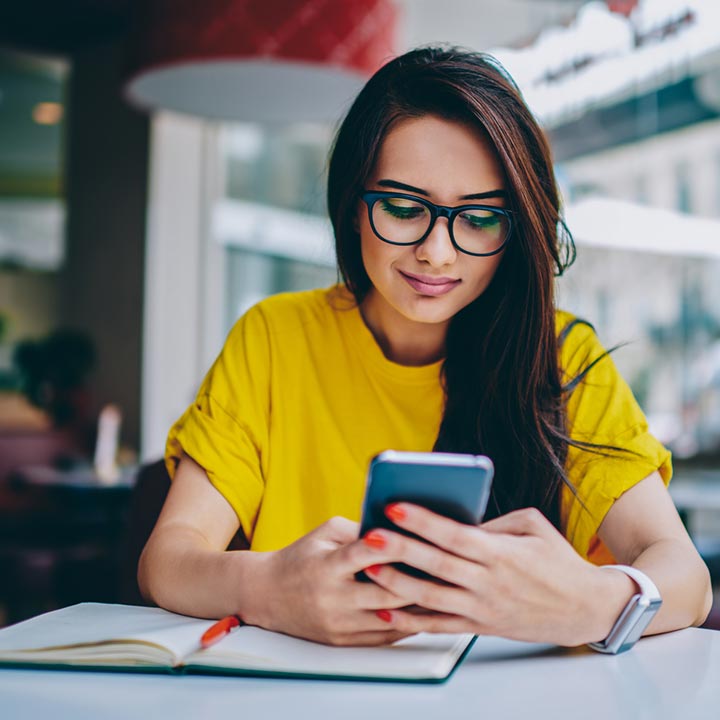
(184, 285)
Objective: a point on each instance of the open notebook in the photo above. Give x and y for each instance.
(141, 639)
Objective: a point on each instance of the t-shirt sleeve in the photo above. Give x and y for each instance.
(602, 411)
(225, 430)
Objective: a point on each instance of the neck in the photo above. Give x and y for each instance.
(402, 340)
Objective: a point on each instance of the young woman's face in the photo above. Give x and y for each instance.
(444, 162)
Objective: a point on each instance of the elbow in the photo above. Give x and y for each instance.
(706, 602)
(144, 575)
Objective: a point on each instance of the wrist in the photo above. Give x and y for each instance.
(613, 592)
(251, 570)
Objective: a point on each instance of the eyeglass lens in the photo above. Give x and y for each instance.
(405, 221)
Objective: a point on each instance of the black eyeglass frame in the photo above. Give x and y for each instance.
(370, 197)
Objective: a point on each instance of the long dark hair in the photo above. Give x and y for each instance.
(501, 376)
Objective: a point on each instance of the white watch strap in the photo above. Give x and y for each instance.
(647, 586)
(636, 616)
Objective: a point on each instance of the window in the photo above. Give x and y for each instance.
(683, 191)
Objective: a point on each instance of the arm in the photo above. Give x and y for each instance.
(306, 589)
(643, 529)
(183, 567)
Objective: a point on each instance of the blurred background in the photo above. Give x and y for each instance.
(162, 168)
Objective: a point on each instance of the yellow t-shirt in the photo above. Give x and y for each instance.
(301, 398)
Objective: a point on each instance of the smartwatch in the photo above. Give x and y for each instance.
(635, 617)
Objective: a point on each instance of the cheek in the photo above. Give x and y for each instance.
(377, 256)
(484, 271)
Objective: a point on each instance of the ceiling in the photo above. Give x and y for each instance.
(39, 37)
(61, 26)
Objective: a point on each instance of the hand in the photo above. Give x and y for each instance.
(515, 577)
(308, 589)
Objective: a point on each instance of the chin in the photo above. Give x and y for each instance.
(430, 310)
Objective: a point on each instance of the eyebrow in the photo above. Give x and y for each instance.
(410, 188)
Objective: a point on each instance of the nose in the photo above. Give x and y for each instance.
(437, 248)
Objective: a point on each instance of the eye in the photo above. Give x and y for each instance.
(482, 219)
(402, 208)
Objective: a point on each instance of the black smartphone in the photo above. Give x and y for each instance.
(452, 484)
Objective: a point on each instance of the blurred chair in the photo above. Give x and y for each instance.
(151, 489)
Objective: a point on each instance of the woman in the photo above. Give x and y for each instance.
(444, 336)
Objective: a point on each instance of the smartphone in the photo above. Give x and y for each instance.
(451, 484)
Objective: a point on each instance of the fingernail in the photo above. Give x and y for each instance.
(395, 512)
(384, 615)
(373, 569)
(375, 540)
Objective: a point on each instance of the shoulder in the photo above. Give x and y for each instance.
(572, 330)
(289, 316)
(288, 308)
(578, 343)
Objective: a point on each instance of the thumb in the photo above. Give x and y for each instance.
(338, 530)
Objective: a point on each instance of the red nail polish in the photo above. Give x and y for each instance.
(373, 569)
(384, 615)
(375, 540)
(395, 512)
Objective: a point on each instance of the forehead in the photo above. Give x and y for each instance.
(441, 156)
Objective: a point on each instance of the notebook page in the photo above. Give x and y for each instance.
(420, 656)
(91, 623)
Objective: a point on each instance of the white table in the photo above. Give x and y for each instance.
(674, 676)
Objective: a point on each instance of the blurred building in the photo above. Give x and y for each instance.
(632, 107)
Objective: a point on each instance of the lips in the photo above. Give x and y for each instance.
(429, 285)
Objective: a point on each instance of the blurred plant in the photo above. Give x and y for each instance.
(52, 373)
(4, 324)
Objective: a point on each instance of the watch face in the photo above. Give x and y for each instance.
(636, 616)
(631, 624)
(647, 609)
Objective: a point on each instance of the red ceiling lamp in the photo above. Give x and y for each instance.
(258, 60)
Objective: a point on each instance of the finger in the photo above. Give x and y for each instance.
(386, 546)
(412, 623)
(338, 529)
(371, 596)
(369, 638)
(465, 541)
(372, 548)
(527, 521)
(445, 599)
(431, 559)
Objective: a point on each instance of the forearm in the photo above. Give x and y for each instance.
(681, 578)
(179, 572)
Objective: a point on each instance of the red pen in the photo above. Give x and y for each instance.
(220, 629)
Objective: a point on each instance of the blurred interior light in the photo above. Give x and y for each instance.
(47, 113)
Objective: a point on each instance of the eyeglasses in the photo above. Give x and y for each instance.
(400, 219)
